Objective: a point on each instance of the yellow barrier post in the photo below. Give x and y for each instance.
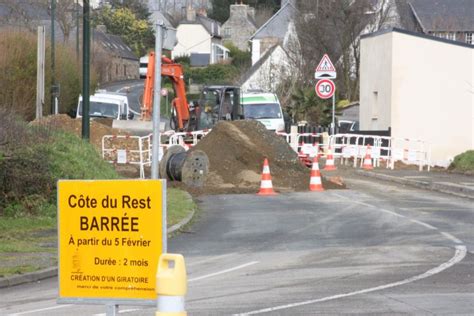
(171, 285)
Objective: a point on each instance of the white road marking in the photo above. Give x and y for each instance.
(423, 224)
(121, 311)
(451, 237)
(393, 213)
(40, 310)
(194, 263)
(223, 271)
(458, 256)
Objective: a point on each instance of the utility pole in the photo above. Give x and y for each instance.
(53, 58)
(85, 71)
(157, 100)
(40, 73)
(77, 28)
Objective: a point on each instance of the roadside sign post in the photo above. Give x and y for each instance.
(111, 234)
(155, 160)
(325, 87)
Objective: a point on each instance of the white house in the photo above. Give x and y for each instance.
(266, 73)
(420, 86)
(273, 32)
(199, 37)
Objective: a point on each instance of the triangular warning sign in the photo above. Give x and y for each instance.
(325, 69)
(325, 65)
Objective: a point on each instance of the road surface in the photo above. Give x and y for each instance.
(376, 248)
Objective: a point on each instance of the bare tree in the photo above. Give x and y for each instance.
(334, 27)
(64, 15)
(28, 14)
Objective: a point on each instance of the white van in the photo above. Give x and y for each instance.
(265, 108)
(104, 107)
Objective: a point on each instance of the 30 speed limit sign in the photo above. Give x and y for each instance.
(325, 88)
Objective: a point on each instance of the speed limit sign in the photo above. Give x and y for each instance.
(325, 88)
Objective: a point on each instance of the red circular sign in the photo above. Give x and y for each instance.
(325, 88)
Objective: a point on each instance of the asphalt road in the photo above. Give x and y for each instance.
(373, 249)
(133, 89)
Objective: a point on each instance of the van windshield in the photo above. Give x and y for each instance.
(101, 109)
(262, 111)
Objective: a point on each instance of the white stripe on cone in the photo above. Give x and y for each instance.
(315, 180)
(266, 169)
(266, 184)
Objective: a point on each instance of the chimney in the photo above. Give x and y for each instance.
(202, 12)
(251, 12)
(241, 10)
(190, 14)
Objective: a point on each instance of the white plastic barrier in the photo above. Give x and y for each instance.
(383, 148)
(410, 151)
(124, 149)
(309, 149)
(186, 139)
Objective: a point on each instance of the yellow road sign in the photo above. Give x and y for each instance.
(110, 238)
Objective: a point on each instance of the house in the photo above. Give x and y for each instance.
(449, 19)
(421, 87)
(265, 74)
(240, 26)
(118, 60)
(274, 31)
(200, 38)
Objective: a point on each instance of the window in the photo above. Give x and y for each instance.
(451, 36)
(469, 38)
(227, 32)
(375, 111)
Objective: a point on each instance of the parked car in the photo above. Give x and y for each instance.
(345, 126)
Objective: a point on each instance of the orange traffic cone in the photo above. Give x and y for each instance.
(266, 187)
(315, 180)
(368, 159)
(329, 161)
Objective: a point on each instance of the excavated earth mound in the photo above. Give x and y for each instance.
(236, 151)
(98, 128)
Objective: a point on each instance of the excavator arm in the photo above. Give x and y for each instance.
(180, 104)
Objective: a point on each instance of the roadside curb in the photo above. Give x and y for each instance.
(449, 188)
(52, 272)
(28, 277)
(181, 224)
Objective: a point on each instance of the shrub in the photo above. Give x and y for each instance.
(32, 159)
(463, 162)
(18, 59)
(212, 74)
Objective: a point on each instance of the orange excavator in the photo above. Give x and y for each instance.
(180, 104)
(216, 103)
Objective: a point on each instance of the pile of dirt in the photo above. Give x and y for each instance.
(98, 128)
(236, 151)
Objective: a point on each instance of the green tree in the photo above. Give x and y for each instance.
(240, 59)
(305, 105)
(137, 33)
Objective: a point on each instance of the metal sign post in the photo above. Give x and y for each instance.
(333, 123)
(155, 159)
(325, 88)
